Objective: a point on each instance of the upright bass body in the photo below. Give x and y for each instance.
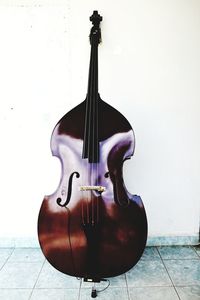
(92, 227)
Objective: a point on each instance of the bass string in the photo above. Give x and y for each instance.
(87, 116)
(97, 138)
(90, 132)
(86, 144)
(93, 137)
(90, 129)
(93, 156)
(96, 146)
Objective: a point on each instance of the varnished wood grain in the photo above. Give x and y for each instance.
(116, 240)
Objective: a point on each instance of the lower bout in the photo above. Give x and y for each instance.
(110, 249)
(108, 260)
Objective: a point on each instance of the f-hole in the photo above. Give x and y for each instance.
(118, 191)
(59, 200)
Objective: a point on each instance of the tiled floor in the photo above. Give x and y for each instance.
(163, 273)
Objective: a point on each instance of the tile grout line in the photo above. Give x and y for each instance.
(79, 291)
(7, 259)
(193, 247)
(168, 274)
(36, 280)
(127, 287)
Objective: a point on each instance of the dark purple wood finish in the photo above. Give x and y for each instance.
(97, 234)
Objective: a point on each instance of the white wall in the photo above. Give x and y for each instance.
(149, 70)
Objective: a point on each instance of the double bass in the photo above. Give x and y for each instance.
(91, 227)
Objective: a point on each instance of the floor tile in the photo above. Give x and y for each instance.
(19, 275)
(189, 292)
(5, 254)
(184, 272)
(153, 293)
(52, 278)
(27, 255)
(148, 273)
(55, 294)
(118, 281)
(109, 294)
(1, 264)
(15, 294)
(150, 253)
(177, 252)
(197, 249)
